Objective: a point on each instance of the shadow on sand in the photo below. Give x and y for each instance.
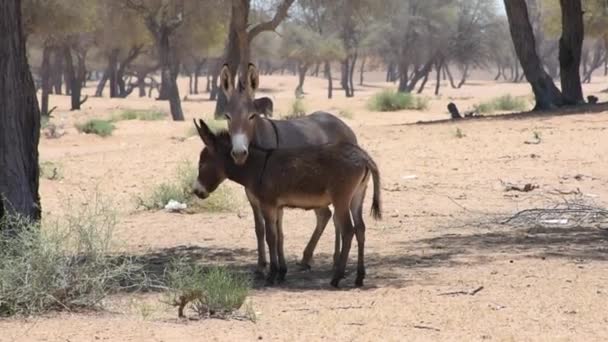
(402, 266)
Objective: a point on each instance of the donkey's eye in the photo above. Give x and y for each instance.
(252, 116)
(227, 116)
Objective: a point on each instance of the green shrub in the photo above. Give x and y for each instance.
(502, 103)
(102, 128)
(180, 190)
(390, 100)
(296, 110)
(50, 171)
(346, 113)
(61, 265)
(143, 115)
(216, 292)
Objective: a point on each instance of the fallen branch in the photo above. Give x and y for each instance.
(457, 293)
(425, 327)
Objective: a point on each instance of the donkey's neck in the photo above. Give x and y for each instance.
(265, 134)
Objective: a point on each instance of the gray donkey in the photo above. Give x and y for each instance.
(246, 126)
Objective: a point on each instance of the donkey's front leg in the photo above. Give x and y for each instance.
(270, 218)
(259, 233)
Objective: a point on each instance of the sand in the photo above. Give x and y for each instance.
(538, 284)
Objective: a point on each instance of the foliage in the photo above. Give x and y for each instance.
(103, 128)
(50, 171)
(390, 100)
(180, 190)
(143, 115)
(215, 292)
(61, 265)
(502, 103)
(296, 110)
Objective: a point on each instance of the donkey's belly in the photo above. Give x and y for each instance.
(307, 201)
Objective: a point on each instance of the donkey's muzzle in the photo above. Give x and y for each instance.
(239, 156)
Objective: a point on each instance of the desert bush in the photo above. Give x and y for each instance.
(215, 292)
(390, 100)
(61, 265)
(102, 128)
(50, 171)
(502, 103)
(144, 115)
(296, 109)
(346, 113)
(180, 189)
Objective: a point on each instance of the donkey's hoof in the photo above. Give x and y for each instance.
(269, 282)
(335, 282)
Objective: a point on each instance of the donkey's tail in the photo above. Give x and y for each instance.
(376, 201)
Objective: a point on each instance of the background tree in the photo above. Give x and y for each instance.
(237, 53)
(19, 122)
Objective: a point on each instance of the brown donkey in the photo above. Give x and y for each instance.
(307, 178)
(246, 125)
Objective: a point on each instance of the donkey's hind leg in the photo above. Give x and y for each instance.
(356, 209)
(280, 243)
(343, 221)
(259, 233)
(323, 216)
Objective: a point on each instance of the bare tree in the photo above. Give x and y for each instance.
(237, 53)
(570, 47)
(546, 93)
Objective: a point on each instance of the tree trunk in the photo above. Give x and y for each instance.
(351, 74)
(423, 84)
(19, 123)
(122, 69)
(362, 70)
(174, 100)
(57, 71)
(546, 93)
(141, 83)
(102, 84)
(438, 66)
(45, 75)
(113, 72)
(72, 74)
(344, 76)
(463, 78)
(330, 83)
(302, 70)
(446, 67)
(164, 51)
(570, 47)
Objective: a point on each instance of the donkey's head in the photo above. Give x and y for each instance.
(241, 112)
(211, 164)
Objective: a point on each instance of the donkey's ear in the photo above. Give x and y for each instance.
(205, 133)
(253, 80)
(226, 80)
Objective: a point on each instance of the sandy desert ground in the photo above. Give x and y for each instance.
(437, 236)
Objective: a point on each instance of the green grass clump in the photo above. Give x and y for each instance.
(502, 103)
(215, 292)
(62, 265)
(346, 113)
(143, 115)
(390, 100)
(103, 128)
(296, 110)
(180, 189)
(50, 171)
